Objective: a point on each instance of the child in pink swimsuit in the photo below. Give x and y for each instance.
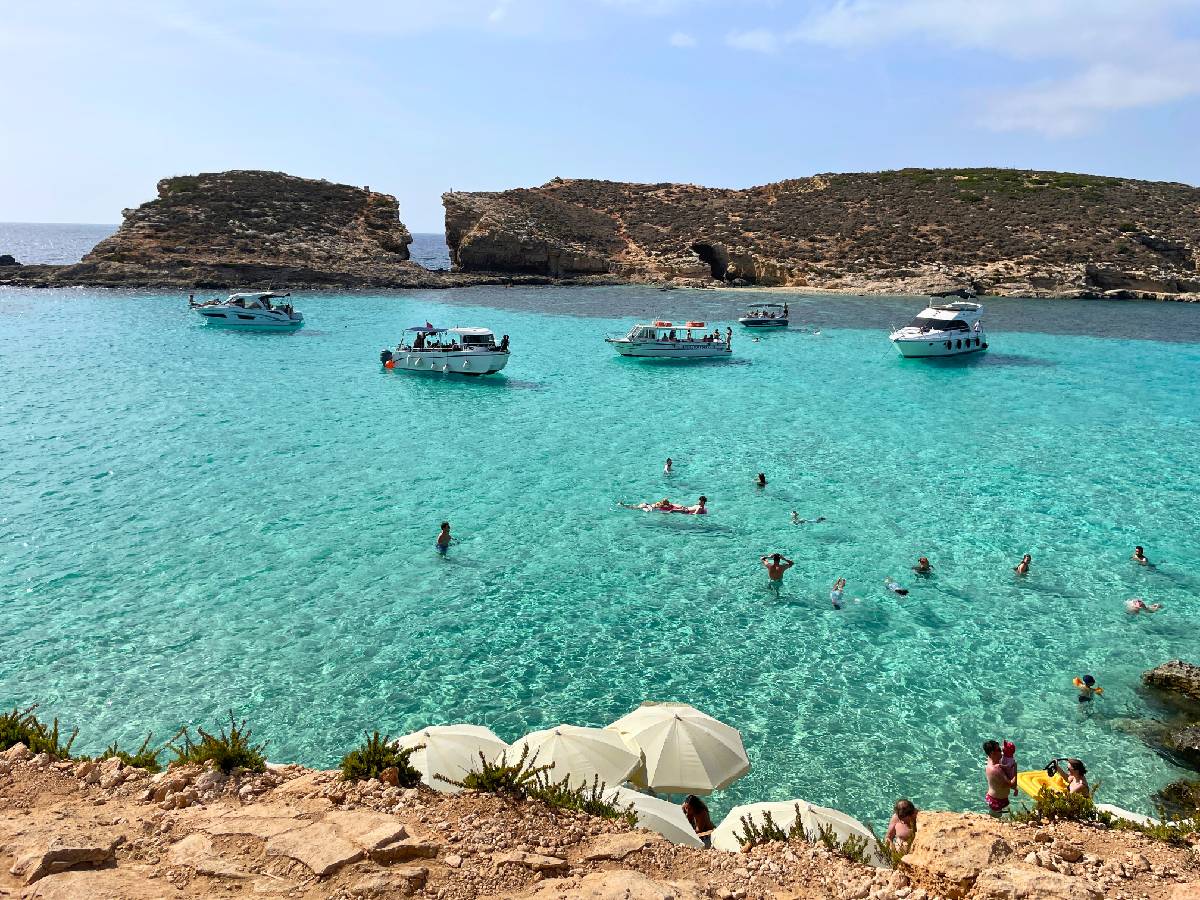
(1008, 761)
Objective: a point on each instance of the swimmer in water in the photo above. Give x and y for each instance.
(443, 539)
(700, 509)
(1022, 568)
(923, 567)
(667, 466)
(762, 480)
(796, 520)
(1087, 688)
(835, 594)
(776, 564)
(1137, 605)
(1139, 556)
(895, 588)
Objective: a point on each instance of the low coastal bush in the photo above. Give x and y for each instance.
(525, 780)
(1057, 806)
(1175, 832)
(142, 758)
(22, 726)
(370, 758)
(853, 848)
(229, 751)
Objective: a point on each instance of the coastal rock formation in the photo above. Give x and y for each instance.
(997, 231)
(250, 229)
(1175, 678)
(6, 259)
(194, 832)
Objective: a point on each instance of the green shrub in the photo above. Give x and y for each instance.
(853, 848)
(1057, 806)
(369, 759)
(22, 726)
(525, 780)
(144, 758)
(229, 751)
(1174, 832)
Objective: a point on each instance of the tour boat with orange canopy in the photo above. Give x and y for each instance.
(661, 339)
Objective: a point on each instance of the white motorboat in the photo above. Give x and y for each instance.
(457, 351)
(766, 315)
(947, 329)
(666, 340)
(249, 310)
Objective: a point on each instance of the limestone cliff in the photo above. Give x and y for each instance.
(251, 229)
(996, 231)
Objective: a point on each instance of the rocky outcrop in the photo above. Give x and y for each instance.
(250, 229)
(6, 259)
(924, 231)
(1178, 678)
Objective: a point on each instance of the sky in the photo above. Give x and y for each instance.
(104, 97)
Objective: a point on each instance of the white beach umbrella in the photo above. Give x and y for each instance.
(686, 751)
(580, 754)
(655, 814)
(726, 837)
(451, 751)
(783, 814)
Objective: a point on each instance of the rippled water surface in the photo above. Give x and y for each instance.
(196, 519)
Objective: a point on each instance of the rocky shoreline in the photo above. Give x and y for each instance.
(910, 232)
(106, 830)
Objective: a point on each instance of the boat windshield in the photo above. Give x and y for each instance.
(926, 323)
(478, 340)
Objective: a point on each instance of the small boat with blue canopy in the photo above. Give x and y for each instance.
(450, 351)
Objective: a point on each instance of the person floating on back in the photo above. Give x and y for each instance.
(892, 586)
(1137, 605)
(443, 539)
(776, 564)
(1022, 568)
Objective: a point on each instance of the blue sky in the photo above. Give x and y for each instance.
(104, 98)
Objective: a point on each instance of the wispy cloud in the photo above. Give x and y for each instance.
(1146, 63)
(757, 40)
(681, 39)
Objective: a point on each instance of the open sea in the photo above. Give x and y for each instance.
(195, 520)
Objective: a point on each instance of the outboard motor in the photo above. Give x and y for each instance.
(385, 356)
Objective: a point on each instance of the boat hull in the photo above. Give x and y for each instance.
(751, 322)
(923, 349)
(226, 317)
(449, 362)
(673, 350)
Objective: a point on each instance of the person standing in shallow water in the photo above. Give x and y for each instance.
(1139, 556)
(776, 564)
(1022, 568)
(998, 782)
(443, 539)
(667, 466)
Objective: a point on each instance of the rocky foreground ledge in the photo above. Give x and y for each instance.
(105, 830)
(912, 231)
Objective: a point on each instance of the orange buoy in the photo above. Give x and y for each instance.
(390, 364)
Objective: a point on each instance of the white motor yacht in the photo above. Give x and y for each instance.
(249, 310)
(766, 315)
(457, 351)
(946, 329)
(666, 340)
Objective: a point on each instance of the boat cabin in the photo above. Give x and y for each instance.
(666, 332)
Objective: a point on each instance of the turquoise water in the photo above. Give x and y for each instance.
(197, 519)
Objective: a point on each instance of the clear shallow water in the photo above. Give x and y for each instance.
(196, 519)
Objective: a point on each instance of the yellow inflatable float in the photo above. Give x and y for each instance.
(1031, 783)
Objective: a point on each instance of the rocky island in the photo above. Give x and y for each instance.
(255, 230)
(992, 231)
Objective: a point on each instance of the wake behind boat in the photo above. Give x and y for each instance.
(458, 351)
(665, 340)
(765, 315)
(249, 310)
(948, 329)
